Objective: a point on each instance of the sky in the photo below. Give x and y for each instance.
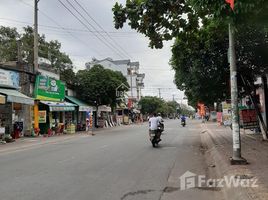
(93, 35)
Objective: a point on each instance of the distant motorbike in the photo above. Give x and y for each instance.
(156, 137)
(183, 123)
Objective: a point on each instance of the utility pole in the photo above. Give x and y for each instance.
(131, 84)
(236, 158)
(36, 109)
(36, 35)
(159, 92)
(173, 95)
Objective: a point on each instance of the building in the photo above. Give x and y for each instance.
(129, 69)
(16, 104)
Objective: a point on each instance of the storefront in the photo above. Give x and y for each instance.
(12, 117)
(54, 114)
(83, 113)
(104, 116)
(13, 103)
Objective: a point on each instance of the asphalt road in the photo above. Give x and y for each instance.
(115, 164)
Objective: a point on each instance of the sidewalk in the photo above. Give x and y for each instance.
(217, 141)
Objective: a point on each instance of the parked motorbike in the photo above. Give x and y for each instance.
(156, 137)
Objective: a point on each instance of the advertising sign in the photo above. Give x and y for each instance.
(9, 78)
(49, 89)
(42, 116)
(219, 117)
(2, 99)
(226, 113)
(248, 119)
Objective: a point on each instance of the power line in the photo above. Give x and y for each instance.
(59, 26)
(56, 28)
(86, 26)
(100, 27)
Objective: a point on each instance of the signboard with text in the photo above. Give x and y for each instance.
(248, 119)
(49, 89)
(9, 78)
(42, 116)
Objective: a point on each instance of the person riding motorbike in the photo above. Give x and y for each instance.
(183, 120)
(160, 123)
(153, 129)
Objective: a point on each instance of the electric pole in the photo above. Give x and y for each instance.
(36, 35)
(36, 109)
(173, 95)
(159, 92)
(236, 158)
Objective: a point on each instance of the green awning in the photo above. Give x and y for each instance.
(16, 97)
(83, 107)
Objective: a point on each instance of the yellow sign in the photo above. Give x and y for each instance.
(2, 99)
(42, 116)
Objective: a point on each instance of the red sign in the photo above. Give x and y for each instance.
(129, 104)
(248, 119)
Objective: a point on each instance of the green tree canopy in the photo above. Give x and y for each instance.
(99, 85)
(10, 39)
(163, 20)
(202, 68)
(150, 105)
(200, 28)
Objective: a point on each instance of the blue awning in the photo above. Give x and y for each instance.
(59, 106)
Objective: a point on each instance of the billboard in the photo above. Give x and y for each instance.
(9, 78)
(49, 89)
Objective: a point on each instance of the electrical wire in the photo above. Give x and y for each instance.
(101, 27)
(86, 26)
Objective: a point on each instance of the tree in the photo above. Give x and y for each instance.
(99, 85)
(9, 38)
(68, 76)
(150, 105)
(8, 44)
(163, 20)
(200, 51)
(202, 69)
(172, 107)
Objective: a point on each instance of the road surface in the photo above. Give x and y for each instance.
(115, 164)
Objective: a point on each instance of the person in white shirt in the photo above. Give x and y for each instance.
(153, 125)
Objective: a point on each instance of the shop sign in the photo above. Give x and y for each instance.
(49, 89)
(248, 119)
(42, 116)
(66, 108)
(85, 109)
(2, 99)
(9, 78)
(2, 130)
(219, 117)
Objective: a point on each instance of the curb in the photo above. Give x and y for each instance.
(223, 168)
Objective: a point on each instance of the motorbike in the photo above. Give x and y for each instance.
(183, 123)
(156, 137)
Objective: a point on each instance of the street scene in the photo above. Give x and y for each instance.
(133, 100)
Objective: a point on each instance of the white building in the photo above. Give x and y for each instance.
(129, 69)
